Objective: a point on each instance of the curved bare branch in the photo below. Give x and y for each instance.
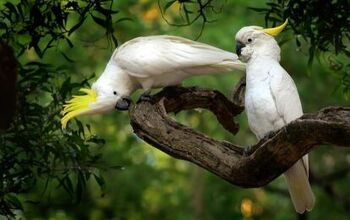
(255, 167)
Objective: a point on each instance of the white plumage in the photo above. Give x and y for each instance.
(148, 62)
(272, 101)
(158, 61)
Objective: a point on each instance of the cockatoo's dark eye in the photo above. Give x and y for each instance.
(249, 40)
(114, 92)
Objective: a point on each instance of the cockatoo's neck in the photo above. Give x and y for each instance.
(258, 69)
(267, 50)
(265, 55)
(115, 78)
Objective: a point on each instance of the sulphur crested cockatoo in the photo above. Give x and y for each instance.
(272, 100)
(148, 62)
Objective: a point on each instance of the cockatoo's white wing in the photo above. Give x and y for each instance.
(289, 107)
(286, 98)
(154, 55)
(286, 94)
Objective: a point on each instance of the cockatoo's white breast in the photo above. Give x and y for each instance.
(272, 99)
(262, 113)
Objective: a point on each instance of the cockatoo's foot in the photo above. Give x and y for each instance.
(251, 148)
(269, 135)
(248, 150)
(145, 97)
(174, 87)
(286, 131)
(174, 91)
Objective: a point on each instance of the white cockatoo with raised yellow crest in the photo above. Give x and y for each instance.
(272, 100)
(148, 62)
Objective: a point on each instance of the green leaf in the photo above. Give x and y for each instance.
(96, 140)
(68, 183)
(12, 9)
(115, 41)
(117, 167)
(70, 44)
(168, 5)
(99, 21)
(66, 85)
(123, 19)
(3, 25)
(13, 200)
(347, 53)
(311, 56)
(88, 128)
(80, 127)
(81, 184)
(75, 27)
(56, 10)
(100, 181)
(38, 50)
(106, 12)
(20, 11)
(258, 9)
(67, 58)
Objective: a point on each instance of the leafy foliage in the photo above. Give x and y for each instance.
(42, 24)
(35, 148)
(324, 25)
(152, 186)
(191, 11)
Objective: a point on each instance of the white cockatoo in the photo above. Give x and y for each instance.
(272, 100)
(148, 62)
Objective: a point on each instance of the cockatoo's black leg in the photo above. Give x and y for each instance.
(248, 150)
(269, 135)
(145, 97)
(174, 87)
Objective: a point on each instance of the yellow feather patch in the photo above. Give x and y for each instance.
(77, 105)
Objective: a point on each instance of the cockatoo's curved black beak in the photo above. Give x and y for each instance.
(123, 104)
(239, 47)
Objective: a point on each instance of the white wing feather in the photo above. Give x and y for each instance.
(289, 107)
(287, 99)
(286, 94)
(146, 57)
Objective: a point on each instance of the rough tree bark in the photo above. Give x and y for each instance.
(8, 79)
(246, 167)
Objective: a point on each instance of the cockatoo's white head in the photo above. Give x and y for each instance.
(105, 95)
(254, 41)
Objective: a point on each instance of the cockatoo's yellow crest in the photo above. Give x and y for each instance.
(77, 105)
(275, 30)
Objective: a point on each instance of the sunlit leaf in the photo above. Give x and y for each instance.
(99, 21)
(168, 5)
(14, 201)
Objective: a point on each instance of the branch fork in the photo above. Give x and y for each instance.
(258, 166)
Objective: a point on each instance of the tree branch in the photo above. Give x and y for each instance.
(8, 78)
(254, 168)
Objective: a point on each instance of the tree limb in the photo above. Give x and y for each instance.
(8, 79)
(254, 168)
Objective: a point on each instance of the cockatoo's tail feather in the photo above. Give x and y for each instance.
(77, 105)
(276, 30)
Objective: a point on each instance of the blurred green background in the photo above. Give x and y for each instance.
(151, 184)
